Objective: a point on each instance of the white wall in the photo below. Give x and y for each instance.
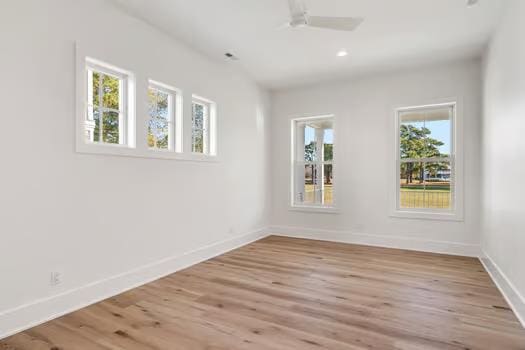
(503, 208)
(364, 110)
(93, 217)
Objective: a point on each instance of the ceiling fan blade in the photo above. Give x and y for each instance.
(297, 8)
(335, 23)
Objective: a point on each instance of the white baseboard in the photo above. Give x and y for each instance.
(32, 314)
(387, 241)
(511, 294)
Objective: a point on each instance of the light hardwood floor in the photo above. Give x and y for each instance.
(284, 293)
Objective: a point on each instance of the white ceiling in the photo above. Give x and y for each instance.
(395, 33)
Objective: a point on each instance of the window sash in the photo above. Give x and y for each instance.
(320, 162)
(318, 187)
(205, 126)
(426, 160)
(105, 109)
(452, 186)
(122, 125)
(172, 107)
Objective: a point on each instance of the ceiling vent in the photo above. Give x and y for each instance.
(231, 56)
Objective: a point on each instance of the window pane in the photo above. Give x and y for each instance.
(316, 137)
(437, 185)
(158, 133)
(412, 187)
(96, 132)
(198, 141)
(328, 186)
(95, 90)
(310, 146)
(438, 138)
(162, 105)
(198, 133)
(152, 102)
(159, 122)
(314, 186)
(198, 116)
(328, 144)
(110, 92)
(425, 133)
(308, 193)
(110, 127)
(425, 185)
(158, 102)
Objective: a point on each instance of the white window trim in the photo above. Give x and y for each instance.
(456, 158)
(126, 117)
(123, 108)
(210, 130)
(321, 209)
(175, 136)
(84, 65)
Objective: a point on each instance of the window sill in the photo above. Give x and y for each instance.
(199, 157)
(426, 215)
(312, 209)
(127, 151)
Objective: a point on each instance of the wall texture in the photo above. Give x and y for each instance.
(364, 111)
(503, 210)
(96, 217)
(108, 223)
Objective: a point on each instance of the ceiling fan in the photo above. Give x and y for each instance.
(301, 18)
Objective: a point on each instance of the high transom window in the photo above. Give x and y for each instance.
(164, 123)
(107, 116)
(203, 127)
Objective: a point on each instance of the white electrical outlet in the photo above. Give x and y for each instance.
(55, 278)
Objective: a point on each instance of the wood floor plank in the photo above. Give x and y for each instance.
(282, 294)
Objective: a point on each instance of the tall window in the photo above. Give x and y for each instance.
(106, 119)
(203, 126)
(426, 158)
(161, 110)
(313, 162)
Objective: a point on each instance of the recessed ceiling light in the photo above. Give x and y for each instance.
(342, 53)
(471, 3)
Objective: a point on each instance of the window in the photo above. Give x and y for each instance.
(426, 161)
(107, 112)
(203, 127)
(106, 115)
(164, 117)
(313, 162)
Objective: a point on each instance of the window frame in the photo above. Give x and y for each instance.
(312, 208)
(124, 122)
(85, 65)
(123, 98)
(175, 122)
(209, 129)
(455, 158)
